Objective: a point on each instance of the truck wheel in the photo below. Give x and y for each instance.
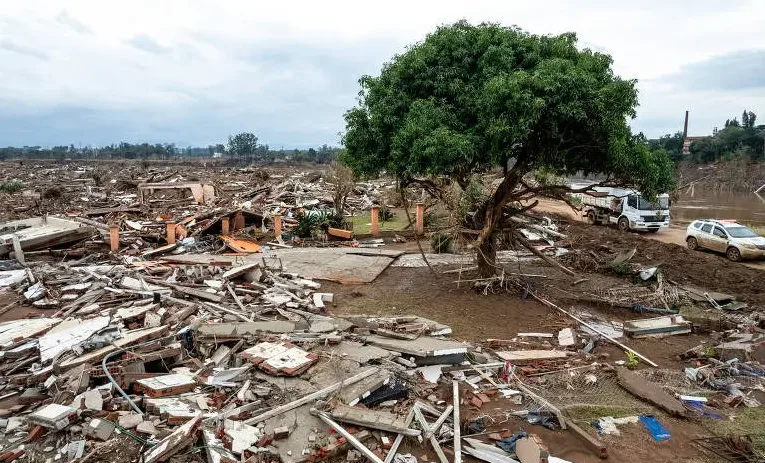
(591, 218)
(692, 243)
(624, 224)
(733, 254)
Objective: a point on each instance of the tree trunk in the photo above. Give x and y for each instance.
(487, 257)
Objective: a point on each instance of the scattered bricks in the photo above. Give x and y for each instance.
(476, 402)
(281, 432)
(484, 398)
(265, 440)
(35, 433)
(99, 429)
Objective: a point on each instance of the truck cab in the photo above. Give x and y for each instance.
(627, 209)
(638, 213)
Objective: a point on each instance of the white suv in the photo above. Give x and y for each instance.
(735, 240)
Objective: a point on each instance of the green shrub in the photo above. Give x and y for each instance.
(52, 192)
(11, 186)
(441, 243)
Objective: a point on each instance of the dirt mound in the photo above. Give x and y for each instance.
(678, 263)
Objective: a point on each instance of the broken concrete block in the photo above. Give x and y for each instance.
(320, 298)
(743, 346)
(130, 421)
(650, 392)
(566, 337)
(181, 438)
(280, 358)
(281, 432)
(93, 400)
(147, 427)
(165, 385)
(53, 416)
(99, 429)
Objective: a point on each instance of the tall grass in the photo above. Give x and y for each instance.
(11, 186)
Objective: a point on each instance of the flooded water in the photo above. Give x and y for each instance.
(744, 207)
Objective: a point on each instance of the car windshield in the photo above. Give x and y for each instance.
(741, 232)
(661, 203)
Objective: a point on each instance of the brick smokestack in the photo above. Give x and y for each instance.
(685, 127)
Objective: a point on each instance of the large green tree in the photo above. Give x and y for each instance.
(243, 146)
(472, 98)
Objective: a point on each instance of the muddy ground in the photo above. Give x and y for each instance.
(477, 317)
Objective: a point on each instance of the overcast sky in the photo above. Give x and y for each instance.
(191, 72)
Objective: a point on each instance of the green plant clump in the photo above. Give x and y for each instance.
(441, 243)
(11, 186)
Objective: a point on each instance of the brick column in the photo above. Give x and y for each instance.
(170, 232)
(114, 237)
(224, 226)
(420, 230)
(278, 225)
(375, 221)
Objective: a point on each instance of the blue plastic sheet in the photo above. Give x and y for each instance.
(655, 428)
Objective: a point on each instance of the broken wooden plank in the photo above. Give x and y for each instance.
(457, 424)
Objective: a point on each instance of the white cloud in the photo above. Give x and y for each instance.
(192, 71)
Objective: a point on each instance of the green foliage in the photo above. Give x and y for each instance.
(469, 97)
(98, 176)
(53, 192)
(735, 140)
(441, 243)
(385, 214)
(11, 186)
(632, 360)
(472, 197)
(621, 268)
(311, 222)
(673, 144)
(242, 146)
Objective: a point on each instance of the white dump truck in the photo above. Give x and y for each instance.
(626, 208)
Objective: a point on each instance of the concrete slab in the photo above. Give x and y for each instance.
(522, 356)
(354, 393)
(18, 330)
(343, 265)
(67, 335)
(358, 352)
(301, 425)
(280, 358)
(420, 347)
(237, 330)
(657, 326)
(650, 392)
(372, 419)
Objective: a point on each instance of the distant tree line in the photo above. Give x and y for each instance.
(241, 148)
(737, 139)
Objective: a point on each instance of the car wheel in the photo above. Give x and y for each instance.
(692, 243)
(591, 217)
(733, 254)
(624, 224)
